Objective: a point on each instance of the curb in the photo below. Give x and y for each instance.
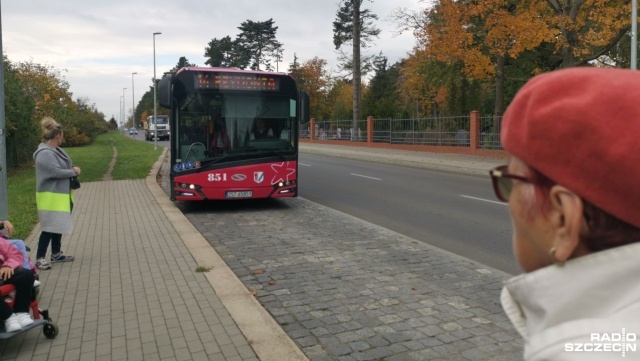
(263, 333)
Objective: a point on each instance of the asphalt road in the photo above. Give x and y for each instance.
(458, 213)
(140, 137)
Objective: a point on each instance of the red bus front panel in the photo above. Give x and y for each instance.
(266, 180)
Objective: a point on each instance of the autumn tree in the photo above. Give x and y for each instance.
(50, 93)
(46, 86)
(313, 78)
(354, 25)
(341, 100)
(494, 37)
(33, 91)
(482, 35)
(22, 133)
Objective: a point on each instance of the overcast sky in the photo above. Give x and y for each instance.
(98, 44)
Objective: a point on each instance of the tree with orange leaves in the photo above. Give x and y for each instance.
(313, 78)
(484, 35)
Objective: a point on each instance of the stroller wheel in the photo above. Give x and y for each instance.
(50, 330)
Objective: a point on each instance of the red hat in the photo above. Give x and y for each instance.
(581, 128)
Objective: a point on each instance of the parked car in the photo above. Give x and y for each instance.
(133, 131)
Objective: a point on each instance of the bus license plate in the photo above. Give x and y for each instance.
(246, 194)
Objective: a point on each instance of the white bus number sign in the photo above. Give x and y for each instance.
(216, 177)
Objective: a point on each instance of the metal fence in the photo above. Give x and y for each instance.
(337, 130)
(439, 131)
(449, 131)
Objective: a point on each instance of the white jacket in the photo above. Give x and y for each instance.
(585, 304)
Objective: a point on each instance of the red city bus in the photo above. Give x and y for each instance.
(234, 133)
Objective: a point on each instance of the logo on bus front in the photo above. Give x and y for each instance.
(258, 177)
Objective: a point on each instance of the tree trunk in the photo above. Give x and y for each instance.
(356, 64)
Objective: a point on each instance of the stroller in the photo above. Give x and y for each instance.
(40, 317)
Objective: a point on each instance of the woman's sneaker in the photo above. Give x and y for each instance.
(43, 264)
(61, 258)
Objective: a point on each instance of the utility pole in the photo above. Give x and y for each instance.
(124, 109)
(634, 34)
(4, 208)
(133, 104)
(155, 122)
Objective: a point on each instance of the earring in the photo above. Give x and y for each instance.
(552, 253)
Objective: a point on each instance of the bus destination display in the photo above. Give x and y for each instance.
(238, 82)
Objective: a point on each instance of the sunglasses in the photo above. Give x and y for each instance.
(503, 182)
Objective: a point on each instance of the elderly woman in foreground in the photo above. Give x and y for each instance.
(572, 185)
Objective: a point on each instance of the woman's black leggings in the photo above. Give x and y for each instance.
(43, 244)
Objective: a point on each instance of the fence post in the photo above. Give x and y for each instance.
(369, 130)
(312, 130)
(474, 129)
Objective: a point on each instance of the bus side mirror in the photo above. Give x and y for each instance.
(164, 91)
(305, 113)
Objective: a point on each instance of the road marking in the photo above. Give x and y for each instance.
(306, 165)
(364, 176)
(482, 199)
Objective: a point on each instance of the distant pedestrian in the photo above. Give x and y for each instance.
(571, 184)
(54, 197)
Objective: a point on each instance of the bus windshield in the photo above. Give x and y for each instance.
(215, 125)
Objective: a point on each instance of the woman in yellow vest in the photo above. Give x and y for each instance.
(54, 196)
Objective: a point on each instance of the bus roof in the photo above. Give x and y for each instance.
(228, 70)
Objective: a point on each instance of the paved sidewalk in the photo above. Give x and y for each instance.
(133, 292)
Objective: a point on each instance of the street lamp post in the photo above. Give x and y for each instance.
(155, 121)
(120, 115)
(133, 103)
(124, 112)
(634, 34)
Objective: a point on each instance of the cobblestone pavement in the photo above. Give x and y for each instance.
(345, 289)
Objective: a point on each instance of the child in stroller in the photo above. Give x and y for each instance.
(12, 272)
